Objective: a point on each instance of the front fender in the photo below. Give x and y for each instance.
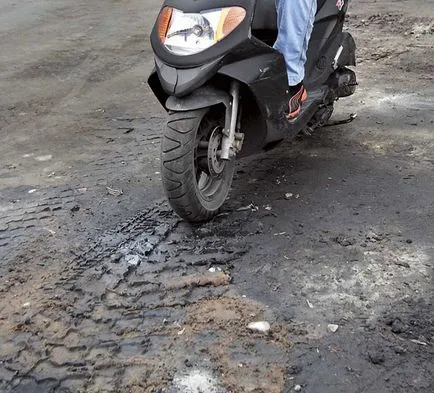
(203, 97)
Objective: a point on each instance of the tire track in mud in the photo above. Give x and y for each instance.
(31, 210)
(112, 318)
(29, 213)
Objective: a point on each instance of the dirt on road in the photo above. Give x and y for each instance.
(328, 238)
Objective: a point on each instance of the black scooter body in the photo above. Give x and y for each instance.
(183, 83)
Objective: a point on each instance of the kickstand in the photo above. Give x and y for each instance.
(341, 122)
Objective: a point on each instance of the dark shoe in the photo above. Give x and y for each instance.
(298, 95)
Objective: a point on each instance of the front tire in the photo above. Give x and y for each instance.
(195, 180)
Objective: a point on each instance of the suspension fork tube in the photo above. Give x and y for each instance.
(231, 122)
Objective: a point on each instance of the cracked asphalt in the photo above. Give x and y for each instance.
(104, 289)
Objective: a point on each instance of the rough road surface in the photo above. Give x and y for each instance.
(328, 238)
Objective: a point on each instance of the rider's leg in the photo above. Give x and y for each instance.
(295, 22)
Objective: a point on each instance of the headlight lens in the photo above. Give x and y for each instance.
(187, 34)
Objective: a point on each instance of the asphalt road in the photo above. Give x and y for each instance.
(105, 290)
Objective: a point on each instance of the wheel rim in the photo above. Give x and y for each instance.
(210, 169)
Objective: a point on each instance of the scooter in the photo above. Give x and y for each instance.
(224, 88)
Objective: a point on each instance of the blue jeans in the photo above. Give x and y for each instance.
(295, 20)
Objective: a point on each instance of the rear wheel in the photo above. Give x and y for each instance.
(195, 179)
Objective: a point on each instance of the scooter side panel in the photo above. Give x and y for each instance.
(265, 79)
(325, 40)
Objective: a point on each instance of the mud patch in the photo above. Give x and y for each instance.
(101, 313)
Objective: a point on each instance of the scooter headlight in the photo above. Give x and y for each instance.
(187, 33)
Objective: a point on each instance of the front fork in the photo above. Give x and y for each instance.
(232, 141)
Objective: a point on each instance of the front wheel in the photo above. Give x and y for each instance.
(195, 179)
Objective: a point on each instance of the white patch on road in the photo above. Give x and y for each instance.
(48, 157)
(197, 381)
(412, 101)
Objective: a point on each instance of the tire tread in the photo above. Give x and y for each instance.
(178, 173)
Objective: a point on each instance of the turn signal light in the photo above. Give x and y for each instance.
(164, 22)
(232, 17)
